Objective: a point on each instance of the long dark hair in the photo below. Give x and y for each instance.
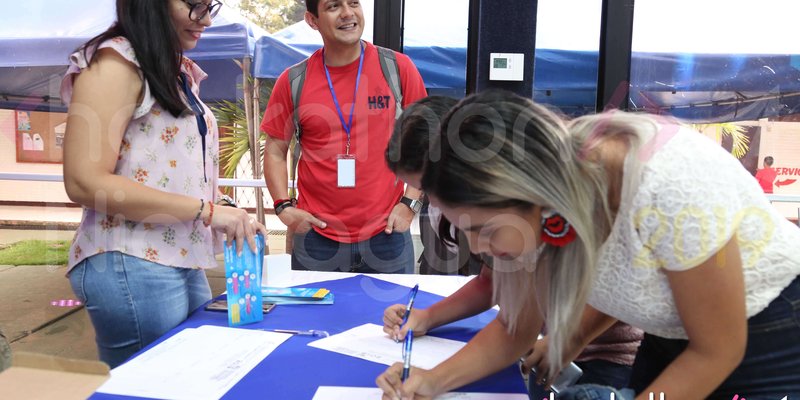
(409, 146)
(148, 27)
(410, 142)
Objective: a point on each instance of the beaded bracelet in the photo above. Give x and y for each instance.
(199, 213)
(210, 214)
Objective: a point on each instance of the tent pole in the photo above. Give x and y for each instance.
(256, 94)
(255, 159)
(256, 121)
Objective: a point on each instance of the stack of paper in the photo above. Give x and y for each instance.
(185, 366)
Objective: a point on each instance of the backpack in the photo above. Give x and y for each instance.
(297, 77)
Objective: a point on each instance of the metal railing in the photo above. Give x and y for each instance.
(782, 198)
(259, 183)
(20, 176)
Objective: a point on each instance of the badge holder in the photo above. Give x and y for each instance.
(346, 171)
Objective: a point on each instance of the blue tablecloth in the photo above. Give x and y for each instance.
(295, 370)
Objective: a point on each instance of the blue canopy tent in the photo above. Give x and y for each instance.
(442, 67)
(716, 87)
(37, 36)
(696, 87)
(693, 87)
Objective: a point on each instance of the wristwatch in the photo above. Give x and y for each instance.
(226, 200)
(414, 204)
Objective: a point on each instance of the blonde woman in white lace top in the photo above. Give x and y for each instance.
(651, 223)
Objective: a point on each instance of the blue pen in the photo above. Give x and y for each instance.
(310, 332)
(411, 296)
(407, 354)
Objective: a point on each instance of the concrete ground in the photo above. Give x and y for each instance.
(27, 317)
(31, 323)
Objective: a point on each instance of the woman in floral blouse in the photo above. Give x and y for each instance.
(141, 157)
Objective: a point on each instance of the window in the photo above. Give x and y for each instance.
(437, 44)
(715, 60)
(565, 64)
(725, 64)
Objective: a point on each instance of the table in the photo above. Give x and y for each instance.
(295, 370)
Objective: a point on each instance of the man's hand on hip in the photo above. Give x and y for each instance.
(300, 221)
(399, 219)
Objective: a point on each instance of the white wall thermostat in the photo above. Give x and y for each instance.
(506, 66)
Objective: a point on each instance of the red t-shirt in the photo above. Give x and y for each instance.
(352, 214)
(766, 177)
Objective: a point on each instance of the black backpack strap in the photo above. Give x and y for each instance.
(391, 72)
(297, 77)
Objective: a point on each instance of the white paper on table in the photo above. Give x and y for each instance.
(357, 393)
(369, 342)
(200, 363)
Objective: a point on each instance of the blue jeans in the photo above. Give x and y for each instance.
(381, 253)
(771, 365)
(132, 302)
(596, 392)
(598, 372)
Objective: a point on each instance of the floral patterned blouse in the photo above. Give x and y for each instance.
(162, 152)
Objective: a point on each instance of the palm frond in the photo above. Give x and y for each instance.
(738, 134)
(235, 141)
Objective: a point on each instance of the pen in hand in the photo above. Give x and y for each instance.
(407, 354)
(412, 295)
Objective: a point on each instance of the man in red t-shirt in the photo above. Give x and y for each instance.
(766, 176)
(352, 213)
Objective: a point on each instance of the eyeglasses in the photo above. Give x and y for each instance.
(198, 10)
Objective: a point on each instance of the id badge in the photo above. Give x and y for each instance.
(346, 171)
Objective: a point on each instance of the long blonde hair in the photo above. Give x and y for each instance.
(498, 150)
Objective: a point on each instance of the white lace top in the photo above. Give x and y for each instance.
(692, 198)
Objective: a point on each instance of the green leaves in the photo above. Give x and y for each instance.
(738, 134)
(273, 15)
(234, 141)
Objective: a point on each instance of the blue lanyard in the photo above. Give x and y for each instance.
(199, 114)
(346, 126)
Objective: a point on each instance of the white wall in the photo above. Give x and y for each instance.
(21, 190)
(781, 140)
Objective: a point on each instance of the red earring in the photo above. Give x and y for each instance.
(556, 230)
